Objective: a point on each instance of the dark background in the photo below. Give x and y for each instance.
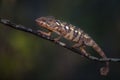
(27, 57)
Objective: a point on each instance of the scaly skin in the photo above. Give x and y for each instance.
(70, 32)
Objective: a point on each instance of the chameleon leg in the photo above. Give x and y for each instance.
(80, 43)
(83, 51)
(76, 45)
(45, 33)
(81, 46)
(58, 38)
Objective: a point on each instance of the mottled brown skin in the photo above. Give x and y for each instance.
(70, 32)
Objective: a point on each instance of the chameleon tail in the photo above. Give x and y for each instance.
(104, 70)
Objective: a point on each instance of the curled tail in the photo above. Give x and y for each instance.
(104, 70)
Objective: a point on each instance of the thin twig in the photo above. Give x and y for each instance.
(35, 32)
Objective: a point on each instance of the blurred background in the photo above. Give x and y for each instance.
(26, 57)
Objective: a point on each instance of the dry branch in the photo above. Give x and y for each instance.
(37, 33)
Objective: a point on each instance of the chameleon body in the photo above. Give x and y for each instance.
(70, 32)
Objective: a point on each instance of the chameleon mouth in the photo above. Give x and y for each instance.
(43, 23)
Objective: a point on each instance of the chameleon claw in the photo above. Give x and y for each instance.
(57, 39)
(44, 33)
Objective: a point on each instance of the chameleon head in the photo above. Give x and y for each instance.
(47, 22)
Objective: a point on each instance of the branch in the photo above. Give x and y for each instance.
(37, 33)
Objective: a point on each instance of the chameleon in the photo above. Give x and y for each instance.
(73, 34)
